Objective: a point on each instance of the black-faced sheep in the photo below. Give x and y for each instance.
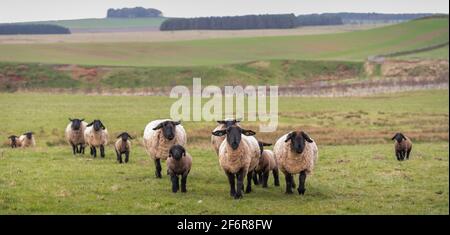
(216, 141)
(96, 136)
(235, 157)
(296, 153)
(159, 136)
(123, 146)
(75, 134)
(267, 163)
(27, 140)
(178, 163)
(402, 146)
(14, 141)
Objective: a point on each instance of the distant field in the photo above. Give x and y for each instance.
(183, 35)
(356, 173)
(352, 46)
(101, 24)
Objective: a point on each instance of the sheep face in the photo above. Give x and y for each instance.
(228, 123)
(124, 136)
(233, 135)
(298, 141)
(29, 135)
(168, 129)
(399, 137)
(97, 125)
(177, 152)
(76, 123)
(13, 139)
(261, 146)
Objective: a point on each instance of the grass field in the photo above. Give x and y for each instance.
(356, 174)
(352, 46)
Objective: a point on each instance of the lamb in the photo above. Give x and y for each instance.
(296, 153)
(235, 156)
(27, 140)
(178, 163)
(123, 146)
(159, 136)
(267, 163)
(14, 141)
(75, 135)
(216, 141)
(96, 135)
(402, 146)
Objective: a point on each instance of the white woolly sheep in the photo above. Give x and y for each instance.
(159, 136)
(96, 136)
(123, 146)
(27, 140)
(296, 153)
(402, 146)
(235, 157)
(267, 163)
(14, 141)
(178, 163)
(75, 135)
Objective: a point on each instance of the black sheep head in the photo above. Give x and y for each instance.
(97, 125)
(124, 136)
(399, 137)
(168, 129)
(76, 123)
(298, 139)
(177, 152)
(234, 135)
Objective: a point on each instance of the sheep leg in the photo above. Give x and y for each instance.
(397, 154)
(74, 149)
(249, 182)
(119, 157)
(183, 183)
(127, 156)
(94, 151)
(265, 179)
(255, 178)
(276, 177)
(292, 181)
(240, 184)
(302, 180)
(288, 178)
(174, 179)
(407, 154)
(158, 168)
(231, 182)
(102, 151)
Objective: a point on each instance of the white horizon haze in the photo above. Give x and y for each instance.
(43, 10)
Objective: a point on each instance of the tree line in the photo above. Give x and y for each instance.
(361, 18)
(136, 12)
(278, 21)
(318, 19)
(32, 29)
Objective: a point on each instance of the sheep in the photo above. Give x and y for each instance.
(159, 136)
(178, 163)
(296, 153)
(27, 140)
(123, 146)
(14, 141)
(402, 146)
(235, 156)
(96, 135)
(75, 134)
(216, 141)
(267, 163)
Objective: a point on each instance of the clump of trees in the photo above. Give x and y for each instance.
(32, 29)
(279, 21)
(136, 12)
(318, 19)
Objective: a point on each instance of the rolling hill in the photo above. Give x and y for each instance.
(352, 46)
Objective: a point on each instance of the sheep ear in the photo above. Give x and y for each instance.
(219, 132)
(82, 119)
(90, 124)
(306, 137)
(176, 123)
(129, 136)
(221, 122)
(248, 132)
(119, 136)
(404, 138)
(159, 126)
(70, 119)
(266, 144)
(289, 136)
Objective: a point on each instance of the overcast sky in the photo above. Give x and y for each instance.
(33, 10)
